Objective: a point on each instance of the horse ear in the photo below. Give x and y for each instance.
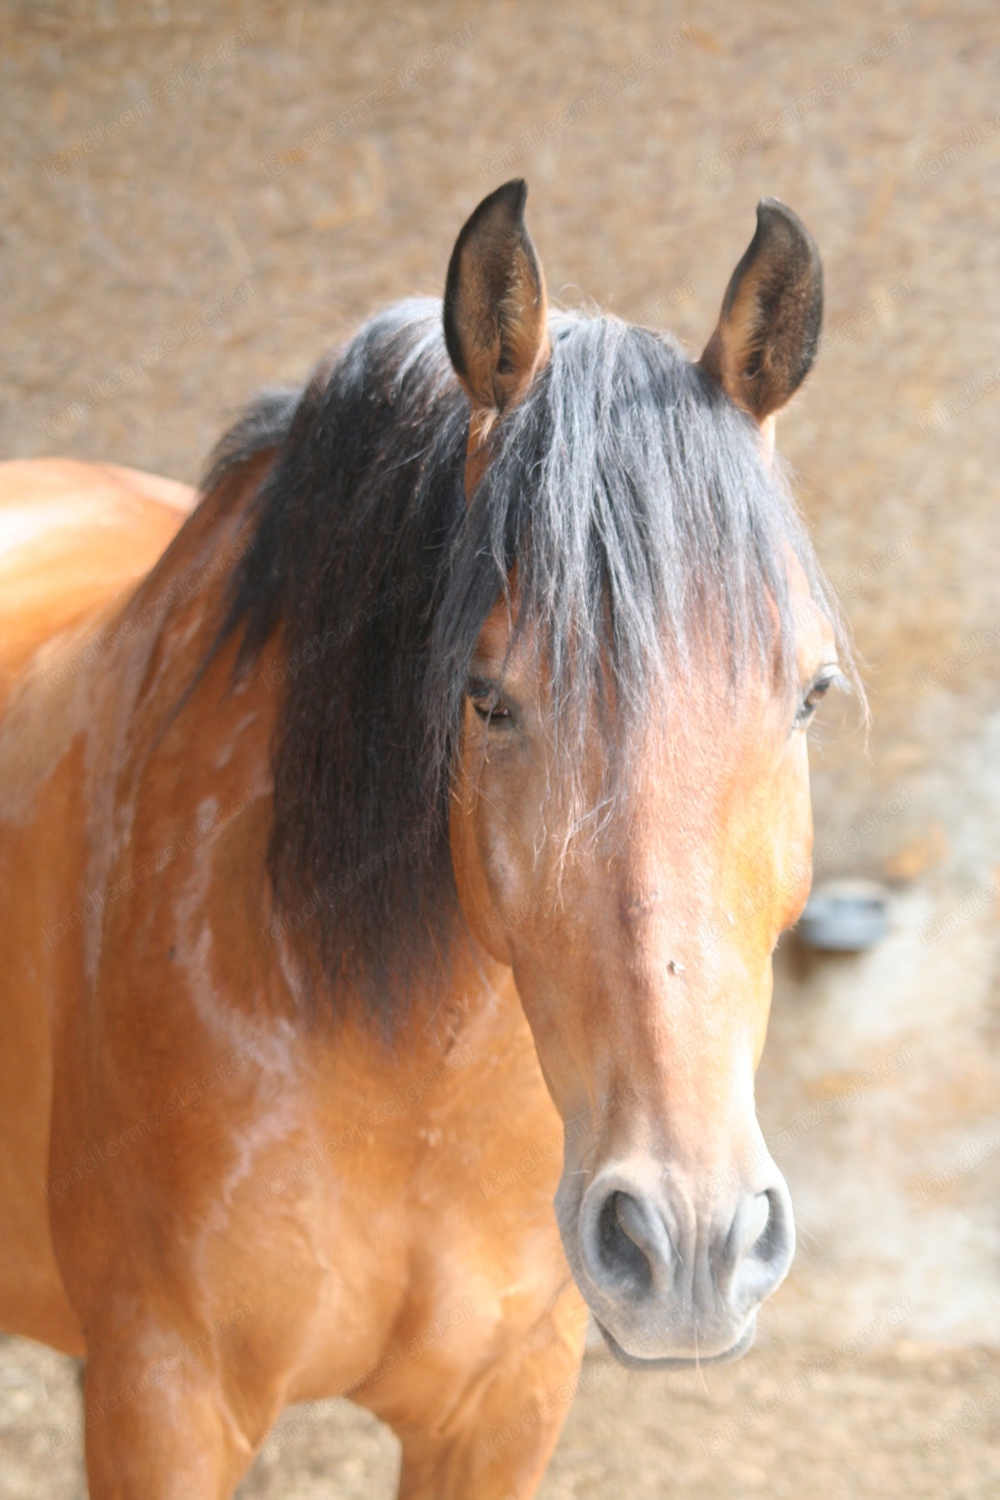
(495, 314)
(764, 343)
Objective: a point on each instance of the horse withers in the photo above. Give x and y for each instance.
(402, 849)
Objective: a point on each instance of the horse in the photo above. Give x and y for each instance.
(394, 839)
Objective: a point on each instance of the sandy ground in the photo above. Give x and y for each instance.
(876, 1425)
(176, 234)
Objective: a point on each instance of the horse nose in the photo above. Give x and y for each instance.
(646, 1247)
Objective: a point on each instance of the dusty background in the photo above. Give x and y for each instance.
(876, 122)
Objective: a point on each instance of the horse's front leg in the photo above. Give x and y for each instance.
(163, 1422)
(497, 1443)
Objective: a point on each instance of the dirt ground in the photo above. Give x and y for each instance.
(872, 1427)
(179, 229)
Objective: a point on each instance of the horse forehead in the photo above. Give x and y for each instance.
(815, 640)
(706, 763)
(495, 635)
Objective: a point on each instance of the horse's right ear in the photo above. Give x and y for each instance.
(494, 314)
(763, 346)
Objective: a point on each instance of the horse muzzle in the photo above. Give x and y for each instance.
(672, 1271)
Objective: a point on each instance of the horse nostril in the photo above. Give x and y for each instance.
(757, 1270)
(620, 1233)
(775, 1244)
(770, 1243)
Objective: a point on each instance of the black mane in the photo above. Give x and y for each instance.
(629, 493)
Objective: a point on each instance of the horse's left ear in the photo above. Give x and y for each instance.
(763, 346)
(495, 314)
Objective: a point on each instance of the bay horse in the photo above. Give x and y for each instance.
(396, 843)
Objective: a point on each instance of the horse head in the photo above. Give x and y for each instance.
(630, 819)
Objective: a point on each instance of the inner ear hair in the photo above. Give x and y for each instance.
(495, 313)
(765, 340)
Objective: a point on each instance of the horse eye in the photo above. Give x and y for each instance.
(821, 684)
(498, 711)
(485, 700)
